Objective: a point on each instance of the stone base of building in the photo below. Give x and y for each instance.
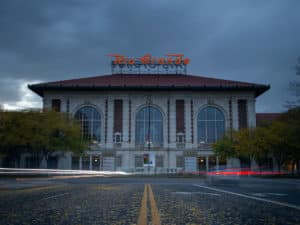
(144, 161)
(137, 161)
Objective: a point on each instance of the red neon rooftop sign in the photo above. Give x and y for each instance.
(171, 59)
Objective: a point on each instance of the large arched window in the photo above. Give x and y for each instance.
(211, 125)
(149, 127)
(90, 123)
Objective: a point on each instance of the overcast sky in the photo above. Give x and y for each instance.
(254, 41)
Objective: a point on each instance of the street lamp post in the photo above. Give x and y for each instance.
(149, 131)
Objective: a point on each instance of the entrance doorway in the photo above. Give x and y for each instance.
(96, 163)
(75, 163)
(202, 163)
(212, 163)
(85, 163)
(52, 162)
(222, 163)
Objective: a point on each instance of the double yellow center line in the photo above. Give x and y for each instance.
(142, 220)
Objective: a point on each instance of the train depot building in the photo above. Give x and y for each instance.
(157, 119)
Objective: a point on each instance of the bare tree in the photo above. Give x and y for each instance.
(298, 67)
(294, 88)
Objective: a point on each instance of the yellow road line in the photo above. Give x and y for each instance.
(143, 210)
(154, 210)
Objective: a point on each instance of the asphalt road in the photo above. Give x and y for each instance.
(133, 200)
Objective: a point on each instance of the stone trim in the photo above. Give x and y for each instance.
(168, 120)
(129, 121)
(105, 122)
(192, 121)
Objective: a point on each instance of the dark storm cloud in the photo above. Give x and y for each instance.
(256, 41)
(7, 85)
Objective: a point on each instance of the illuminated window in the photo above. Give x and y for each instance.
(149, 127)
(90, 123)
(146, 159)
(211, 125)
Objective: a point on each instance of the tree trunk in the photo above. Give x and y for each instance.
(278, 165)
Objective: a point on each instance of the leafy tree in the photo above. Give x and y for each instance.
(38, 133)
(261, 143)
(244, 144)
(288, 129)
(279, 134)
(279, 139)
(224, 147)
(251, 144)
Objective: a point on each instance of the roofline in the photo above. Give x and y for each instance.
(109, 75)
(40, 88)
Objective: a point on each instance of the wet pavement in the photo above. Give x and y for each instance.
(136, 200)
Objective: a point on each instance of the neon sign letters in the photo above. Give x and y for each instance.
(147, 59)
(172, 63)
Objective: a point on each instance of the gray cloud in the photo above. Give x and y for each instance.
(9, 90)
(256, 41)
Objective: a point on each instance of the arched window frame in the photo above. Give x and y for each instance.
(93, 121)
(217, 135)
(162, 135)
